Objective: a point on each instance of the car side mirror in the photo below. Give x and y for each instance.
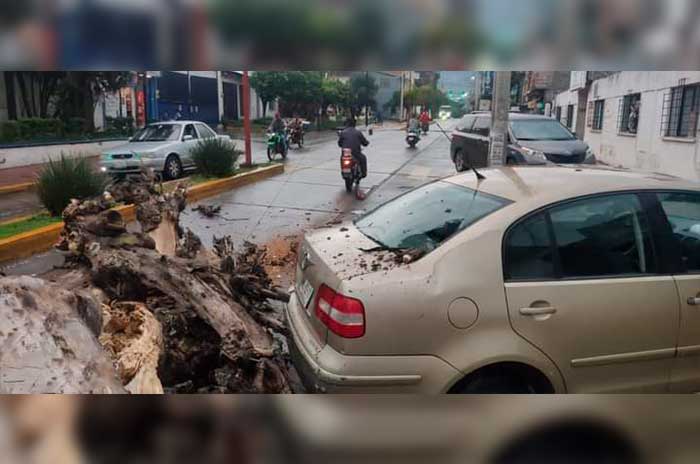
(187, 137)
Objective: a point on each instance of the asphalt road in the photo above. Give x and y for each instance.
(309, 194)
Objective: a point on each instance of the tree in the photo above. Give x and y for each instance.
(363, 90)
(426, 96)
(335, 93)
(268, 85)
(301, 93)
(78, 92)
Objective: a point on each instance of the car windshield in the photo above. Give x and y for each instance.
(160, 133)
(539, 129)
(424, 218)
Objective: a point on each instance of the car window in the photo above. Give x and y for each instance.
(528, 251)
(189, 130)
(205, 132)
(160, 133)
(539, 129)
(683, 213)
(482, 126)
(602, 236)
(465, 124)
(426, 217)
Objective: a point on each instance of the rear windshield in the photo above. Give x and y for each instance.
(424, 218)
(539, 129)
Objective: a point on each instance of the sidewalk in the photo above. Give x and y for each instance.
(23, 174)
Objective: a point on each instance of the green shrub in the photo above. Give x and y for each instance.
(75, 126)
(262, 121)
(215, 157)
(9, 131)
(120, 125)
(39, 129)
(67, 178)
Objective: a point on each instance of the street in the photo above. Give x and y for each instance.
(309, 194)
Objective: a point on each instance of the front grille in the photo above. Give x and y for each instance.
(122, 156)
(565, 159)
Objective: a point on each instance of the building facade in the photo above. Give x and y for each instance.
(646, 120)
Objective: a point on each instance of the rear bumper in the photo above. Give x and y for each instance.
(323, 369)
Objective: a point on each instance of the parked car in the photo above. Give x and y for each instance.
(164, 147)
(534, 279)
(532, 139)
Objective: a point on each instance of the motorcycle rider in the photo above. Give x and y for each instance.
(278, 127)
(425, 120)
(413, 125)
(353, 139)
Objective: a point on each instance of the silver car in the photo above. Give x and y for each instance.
(164, 147)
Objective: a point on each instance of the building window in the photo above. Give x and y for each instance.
(681, 111)
(598, 108)
(557, 112)
(569, 116)
(629, 113)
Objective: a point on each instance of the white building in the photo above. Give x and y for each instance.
(645, 120)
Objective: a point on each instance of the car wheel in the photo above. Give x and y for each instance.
(460, 162)
(348, 185)
(173, 168)
(495, 384)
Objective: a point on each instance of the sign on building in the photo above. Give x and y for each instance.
(578, 80)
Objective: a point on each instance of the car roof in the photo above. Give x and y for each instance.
(179, 121)
(513, 115)
(542, 185)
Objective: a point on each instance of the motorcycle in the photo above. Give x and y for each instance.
(276, 144)
(412, 138)
(297, 136)
(425, 126)
(350, 170)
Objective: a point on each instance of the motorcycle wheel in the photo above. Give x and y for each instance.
(270, 155)
(412, 144)
(348, 184)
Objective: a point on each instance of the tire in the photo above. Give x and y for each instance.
(270, 155)
(460, 162)
(173, 168)
(348, 184)
(285, 149)
(495, 384)
(412, 144)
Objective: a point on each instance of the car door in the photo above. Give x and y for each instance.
(479, 142)
(461, 135)
(582, 286)
(190, 138)
(682, 213)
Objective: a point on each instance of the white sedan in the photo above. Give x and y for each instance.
(164, 147)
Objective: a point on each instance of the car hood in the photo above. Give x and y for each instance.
(137, 147)
(557, 147)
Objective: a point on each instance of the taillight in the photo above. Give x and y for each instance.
(346, 162)
(342, 315)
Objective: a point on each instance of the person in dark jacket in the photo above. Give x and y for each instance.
(353, 139)
(279, 127)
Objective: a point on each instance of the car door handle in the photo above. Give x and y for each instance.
(538, 311)
(693, 301)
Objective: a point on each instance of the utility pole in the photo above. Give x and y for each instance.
(500, 105)
(366, 98)
(246, 119)
(401, 98)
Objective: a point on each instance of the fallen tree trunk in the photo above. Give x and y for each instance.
(48, 340)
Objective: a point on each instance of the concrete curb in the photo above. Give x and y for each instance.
(34, 241)
(15, 188)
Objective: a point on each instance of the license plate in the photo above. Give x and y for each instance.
(305, 291)
(119, 164)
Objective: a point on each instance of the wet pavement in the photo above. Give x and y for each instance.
(310, 193)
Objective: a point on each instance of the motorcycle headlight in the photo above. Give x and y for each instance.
(534, 155)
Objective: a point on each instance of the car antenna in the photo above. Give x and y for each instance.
(479, 176)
